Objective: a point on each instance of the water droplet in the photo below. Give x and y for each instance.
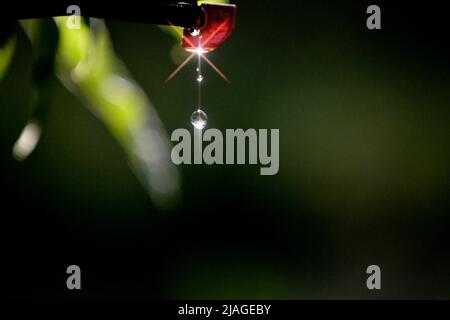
(199, 78)
(199, 119)
(195, 32)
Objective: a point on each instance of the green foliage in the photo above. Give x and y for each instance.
(85, 62)
(6, 53)
(7, 46)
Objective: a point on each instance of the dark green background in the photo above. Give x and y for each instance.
(364, 167)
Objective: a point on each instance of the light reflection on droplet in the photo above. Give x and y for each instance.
(199, 119)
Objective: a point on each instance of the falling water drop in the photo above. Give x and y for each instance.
(199, 119)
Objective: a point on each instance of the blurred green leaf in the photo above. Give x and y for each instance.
(87, 65)
(44, 37)
(7, 46)
(6, 53)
